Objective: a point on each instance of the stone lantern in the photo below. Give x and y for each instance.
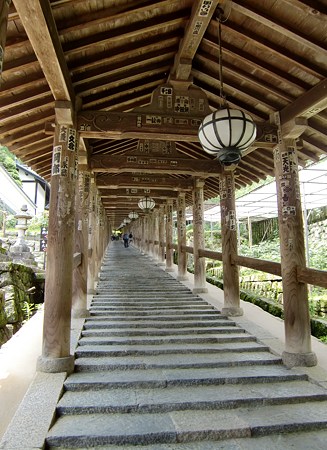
(20, 250)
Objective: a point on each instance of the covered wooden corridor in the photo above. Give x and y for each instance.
(104, 99)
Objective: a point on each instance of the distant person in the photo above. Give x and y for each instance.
(130, 236)
(125, 239)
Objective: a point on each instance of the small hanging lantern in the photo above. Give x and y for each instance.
(146, 204)
(133, 215)
(127, 221)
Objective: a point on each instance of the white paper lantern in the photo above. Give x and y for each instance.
(226, 133)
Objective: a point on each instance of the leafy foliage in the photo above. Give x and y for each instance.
(7, 159)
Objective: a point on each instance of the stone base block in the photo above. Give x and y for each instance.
(299, 359)
(199, 290)
(80, 313)
(55, 365)
(169, 269)
(182, 278)
(232, 311)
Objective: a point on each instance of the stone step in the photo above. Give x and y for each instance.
(144, 313)
(150, 301)
(241, 336)
(149, 297)
(195, 316)
(103, 321)
(103, 331)
(162, 378)
(175, 361)
(181, 398)
(89, 430)
(248, 345)
(139, 286)
(141, 307)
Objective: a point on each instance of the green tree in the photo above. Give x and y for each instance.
(7, 159)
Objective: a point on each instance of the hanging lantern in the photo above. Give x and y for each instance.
(133, 215)
(146, 204)
(226, 133)
(127, 221)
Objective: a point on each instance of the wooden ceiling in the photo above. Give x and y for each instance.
(116, 55)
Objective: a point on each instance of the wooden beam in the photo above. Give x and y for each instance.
(113, 125)
(130, 164)
(142, 181)
(308, 104)
(37, 19)
(155, 126)
(137, 193)
(201, 15)
(4, 8)
(284, 29)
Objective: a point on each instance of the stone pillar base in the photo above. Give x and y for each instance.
(169, 269)
(91, 291)
(182, 278)
(299, 359)
(234, 312)
(199, 290)
(55, 365)
(80, 313)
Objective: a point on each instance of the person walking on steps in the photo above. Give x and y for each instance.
(125, 239)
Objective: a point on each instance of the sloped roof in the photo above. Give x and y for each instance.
(111, 55)
(261, 203)
(13, 195)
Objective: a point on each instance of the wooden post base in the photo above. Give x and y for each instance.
(299, 359)
(55, 365)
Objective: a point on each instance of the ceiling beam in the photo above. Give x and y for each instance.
(150, 164)
(284, 29)
(143, 181)
(37, 19)
(308, 104)
(201, 15)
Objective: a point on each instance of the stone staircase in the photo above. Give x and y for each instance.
(159, 368)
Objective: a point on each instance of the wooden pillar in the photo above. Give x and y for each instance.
(229, 245)
(58, 283)
(155, 235)
(181, 235)
(91, 239)
(161, 234)
(295, 295)
(98, 238)
(147, 229)
(151, 233)
(4, 9)
(198, 238)
(143, 235)
(81, 246)
(169, 236)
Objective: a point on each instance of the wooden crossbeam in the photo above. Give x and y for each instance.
(119, 164)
